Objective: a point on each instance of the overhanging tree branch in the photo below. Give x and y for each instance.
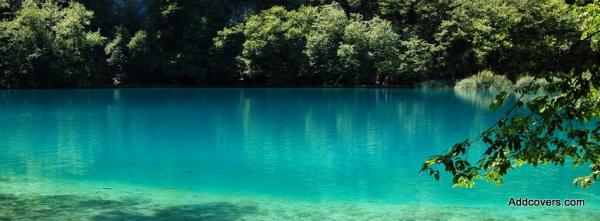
(517, 139)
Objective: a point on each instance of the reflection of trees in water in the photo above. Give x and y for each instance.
(41, 129)
(479, 98)
(195, 136)
(346, 131)
(483, 99)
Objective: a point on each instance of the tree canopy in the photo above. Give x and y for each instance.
(45, 45)
(286, 42)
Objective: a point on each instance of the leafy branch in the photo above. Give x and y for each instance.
(556, 128)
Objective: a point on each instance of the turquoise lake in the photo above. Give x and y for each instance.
(256, 154)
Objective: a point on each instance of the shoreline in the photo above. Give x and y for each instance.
(417, 85)
(218, 87)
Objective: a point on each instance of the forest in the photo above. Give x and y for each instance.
(281, 43)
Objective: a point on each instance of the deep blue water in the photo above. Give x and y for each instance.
(323, 145)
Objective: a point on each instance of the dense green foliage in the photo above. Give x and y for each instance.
(85, 43)
(322, 45)
(560, 126)
(45, 45)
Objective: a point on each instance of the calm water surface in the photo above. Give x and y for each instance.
(229, 154)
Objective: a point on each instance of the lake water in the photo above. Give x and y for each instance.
(255, 154)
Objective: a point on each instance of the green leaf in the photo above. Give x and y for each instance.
(500, 98)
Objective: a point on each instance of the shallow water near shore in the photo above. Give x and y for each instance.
(255, 154)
